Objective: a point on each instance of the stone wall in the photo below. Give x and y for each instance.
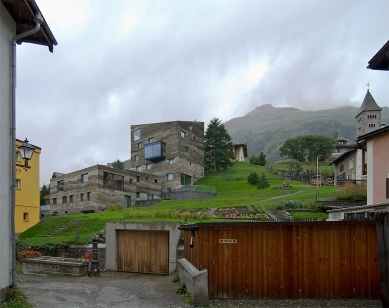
(185, 195)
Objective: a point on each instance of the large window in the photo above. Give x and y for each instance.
(114, 181)
(136, 157)
(170, 177)
(150, 196)
(136, 134)
(71, 198)
(88, 196)
(54, 201)
(185, 179)
(84, 178)
(60, 185)
(155, 150)
(64, 199)
(138, 168)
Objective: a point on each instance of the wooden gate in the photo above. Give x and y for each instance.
(287, 260)
(143, 251)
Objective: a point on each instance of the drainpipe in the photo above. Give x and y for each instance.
(38, 19)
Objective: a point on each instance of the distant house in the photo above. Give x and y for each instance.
(172, 150)
(342, 146)
(363, 212)
(240, 152)
(27, 205)
(93, 189)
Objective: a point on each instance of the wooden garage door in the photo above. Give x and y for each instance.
(143, 251)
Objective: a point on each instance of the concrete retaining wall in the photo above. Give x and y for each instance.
(196, 281)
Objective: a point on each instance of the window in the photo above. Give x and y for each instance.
(185, 179)
(136, 157)
(351, 164)
(138, 168)
(151, 140)
(170, 177)
(88, 196)
(183, 134)
(155, 181)
(17, 184)
(64, 199)
(71, 198)
(54, 201)
(137, 134)
(172, 161)
(150, 196)
(111, 180)
(186, 149)
(25, 216)
(148, 166)
(81, 197)
(169, 190)
(155, 150)
(84, 177)
(140, 145)
(60, 185)
(127, 201)
(137, 194)
(137, 178)
(341, 168)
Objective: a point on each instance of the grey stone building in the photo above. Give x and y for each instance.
(368, 118)
(93, 189)
(173, 151)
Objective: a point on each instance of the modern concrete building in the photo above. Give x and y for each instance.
(16, 18)
(172, 150)
(27, 207)
(93, 189)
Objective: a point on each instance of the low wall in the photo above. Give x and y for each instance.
(76, 251)
(196, 282)
(187, 195)
(54, 265)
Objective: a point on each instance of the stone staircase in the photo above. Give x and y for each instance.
(63, 228)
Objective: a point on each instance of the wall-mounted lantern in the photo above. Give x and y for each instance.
(26, 150)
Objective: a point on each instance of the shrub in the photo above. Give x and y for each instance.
(253, 178)
(29, 253)
(351, 191)
(263, 181)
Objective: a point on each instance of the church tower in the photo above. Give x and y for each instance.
(369, 115)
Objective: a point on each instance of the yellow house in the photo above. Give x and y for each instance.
(27, 202)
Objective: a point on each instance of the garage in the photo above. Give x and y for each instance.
(143, 251)
(142, 247)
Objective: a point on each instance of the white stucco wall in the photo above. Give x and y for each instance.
(7, 31)
(370, 172)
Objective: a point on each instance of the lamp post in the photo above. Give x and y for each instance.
(25, 150)
(317, 176)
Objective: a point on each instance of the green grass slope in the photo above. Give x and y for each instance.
(232, 190)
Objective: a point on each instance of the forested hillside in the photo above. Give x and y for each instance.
(267, 127)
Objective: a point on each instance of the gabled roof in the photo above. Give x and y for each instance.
(22, 12)
(381, 59)
(343, 156)
(368, 104)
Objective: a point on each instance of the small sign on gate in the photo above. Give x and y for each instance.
(227, 241)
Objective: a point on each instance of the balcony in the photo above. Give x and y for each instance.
(155, 150)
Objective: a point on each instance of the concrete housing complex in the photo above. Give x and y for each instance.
(164, 157)
(16, 18)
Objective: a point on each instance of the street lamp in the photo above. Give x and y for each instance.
(26, 150)
(317, 176)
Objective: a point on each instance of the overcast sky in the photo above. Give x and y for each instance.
(121, 63)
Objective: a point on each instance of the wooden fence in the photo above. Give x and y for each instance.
(333, 260)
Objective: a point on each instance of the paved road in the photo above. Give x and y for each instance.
(111, 289)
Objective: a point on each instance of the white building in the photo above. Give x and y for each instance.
(16, 17)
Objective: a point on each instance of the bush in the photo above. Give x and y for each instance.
(114, 207)
(263, 181)
(351, 191)
(28, 253)
(253, 178)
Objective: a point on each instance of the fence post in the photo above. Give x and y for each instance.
(382, 226)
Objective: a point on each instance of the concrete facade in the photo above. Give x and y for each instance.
(180, 147)
(96, 187)
(111, 240)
